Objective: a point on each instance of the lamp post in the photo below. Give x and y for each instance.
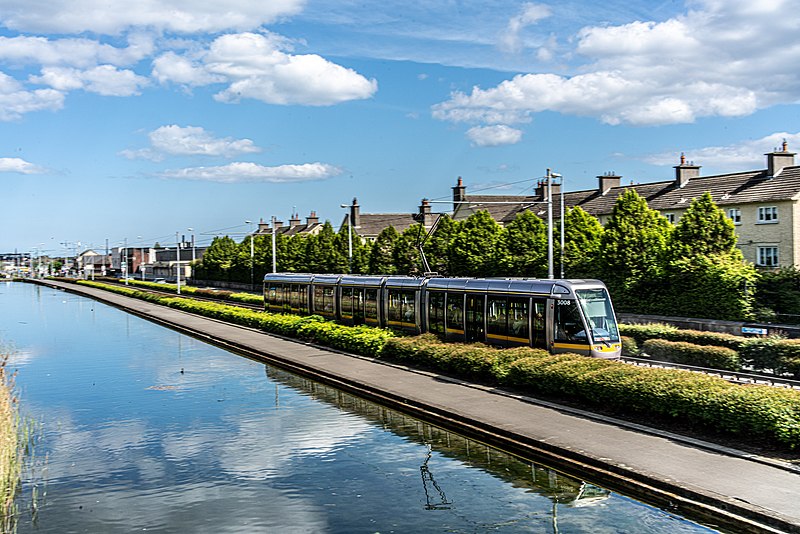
(274, 254)
(561, 183)
(549, 225)
(125, 261)
(178, 262)
(349, 239)
(252, 255)
(193, 252)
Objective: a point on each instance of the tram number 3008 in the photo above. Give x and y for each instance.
(564, 302)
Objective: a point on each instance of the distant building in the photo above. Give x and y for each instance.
(764, 204)
(369, 225)
(312, 226)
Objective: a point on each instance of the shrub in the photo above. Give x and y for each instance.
(642, 332)
(691, 354)
(630, 347)
(770, 353)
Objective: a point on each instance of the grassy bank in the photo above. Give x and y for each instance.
(11, 453)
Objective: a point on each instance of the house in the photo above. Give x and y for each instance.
(92, 262)
(369, 225)
(763, 204)
(312, 226)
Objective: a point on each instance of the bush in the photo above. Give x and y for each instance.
(642, 332)
(770, 353)
(691, 354)
(630, 347)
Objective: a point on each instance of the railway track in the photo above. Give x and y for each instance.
(737, 377)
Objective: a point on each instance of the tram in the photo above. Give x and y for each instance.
(558, 315)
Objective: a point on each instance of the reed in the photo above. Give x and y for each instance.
(12, 447)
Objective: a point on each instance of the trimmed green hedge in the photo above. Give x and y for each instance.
(749, 411)
(643, 332)
(691, 354)
(221, 294)
(705, 401)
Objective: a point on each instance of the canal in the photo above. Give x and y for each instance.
(140, 428)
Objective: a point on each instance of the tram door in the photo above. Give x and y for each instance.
(474, 318)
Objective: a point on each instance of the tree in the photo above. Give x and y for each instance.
(381, 258)
(633, 246)
(407, 259)
(526, 242)
(703, 230)
(437, 246)
(582, 242)
(218, 259)
(323, 254)
(476, 249)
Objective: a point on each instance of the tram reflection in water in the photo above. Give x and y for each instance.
(558, 315)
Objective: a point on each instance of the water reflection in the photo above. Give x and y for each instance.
(532, 477)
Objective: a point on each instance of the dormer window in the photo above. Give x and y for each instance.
(767, 215)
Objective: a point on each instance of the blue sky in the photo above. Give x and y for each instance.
(136, 120)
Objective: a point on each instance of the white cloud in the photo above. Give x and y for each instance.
(725, 59)
(20, 166)
(530, 14)
(257, 67)
(115, 16)
(105, 80)
(82, 53)
(737, 156)
(15, 101)
(252, 172)
(190, 141)
(495, 135)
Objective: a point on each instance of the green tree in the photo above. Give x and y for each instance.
(526, 243)
(218, 259)
(323, 254)
(438, 244)
(476, 249)
(582, 242)
(703, 230)
(407, 259)
(381, 258)
(633, 246)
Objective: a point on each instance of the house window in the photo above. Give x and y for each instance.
(767, 257)
(670, 217)
(768, 214)
(735, 215)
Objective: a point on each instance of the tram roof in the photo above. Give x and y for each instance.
(362, 280)
(509, 285)
(296, 278)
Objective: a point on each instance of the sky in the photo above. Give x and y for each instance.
(131, 121)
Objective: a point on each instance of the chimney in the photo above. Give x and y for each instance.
(778, 159)
(425, 215)
(294, 220)
(276, 223)
(263, 228)
(355, 214)
(459, 194)
(541, 190)
(606, 182)
(312, 219)
(685, 171)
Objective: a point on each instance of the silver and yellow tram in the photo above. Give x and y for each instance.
(558, 315)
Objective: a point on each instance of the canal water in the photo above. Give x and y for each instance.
(139, 428)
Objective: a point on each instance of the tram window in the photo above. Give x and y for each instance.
(409, 311)
(455, 311)
(596, 305)
(436, 312)
(395, 306)
(272, 294)
(518, 317)
(347, 301)
(302, 295)
(319, 299)
(538, 320)
(328, 302)
(496, 316)
(371, 304)
(568, 323)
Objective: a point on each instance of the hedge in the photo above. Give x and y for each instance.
(691, 354)
(705, 401)
(221, 294)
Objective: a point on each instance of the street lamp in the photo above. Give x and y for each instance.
(549, 179)
(550, 221)
(178, 262)
(193, 252)
(349, 239)
(274, 254)
(252, 255)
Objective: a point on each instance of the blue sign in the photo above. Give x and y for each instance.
(754, 330)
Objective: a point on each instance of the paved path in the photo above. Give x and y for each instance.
(740, 493)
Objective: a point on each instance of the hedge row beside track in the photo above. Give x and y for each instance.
(221, 294)
(759, 412)
(770, 353)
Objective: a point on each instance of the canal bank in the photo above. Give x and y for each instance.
(698, 481)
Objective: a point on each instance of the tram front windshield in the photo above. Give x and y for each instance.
(596, 306)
